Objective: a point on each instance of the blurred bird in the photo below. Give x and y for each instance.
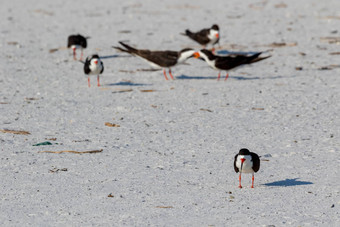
(205, 36)
(159, 59)
(93, 66)
(246, 162)
(228, 62)
(77, 42)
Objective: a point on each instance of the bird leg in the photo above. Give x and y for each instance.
(239, 178)
(98, 84)
(172, 77)
(252, 181)
(226, 77)
(219, 75)
(165, 74)
(81, 56)
(74, 54)
(88, 81)
(213, 50)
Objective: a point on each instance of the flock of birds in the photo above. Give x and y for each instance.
(167, 59)
(245, 161)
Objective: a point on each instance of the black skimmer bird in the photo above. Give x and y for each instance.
(228, 62)
(205, 36)
(246, 162)
(93, 66)
(77, 42)
(160, 59)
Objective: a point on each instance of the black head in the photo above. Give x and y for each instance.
(89, 58)
(215, 27)
(95, 56)
(208, 53)
(244, 151)
(185, 50)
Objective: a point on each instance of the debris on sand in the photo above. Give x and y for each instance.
(74, 152)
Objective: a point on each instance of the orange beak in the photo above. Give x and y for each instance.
(196, 55)
(217, 35)
(242, 160)
(96, 62)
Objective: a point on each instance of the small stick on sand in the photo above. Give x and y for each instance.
(75, 152)
(15, 132)
(56, 49)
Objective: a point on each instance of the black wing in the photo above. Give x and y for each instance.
(71, 41)
(102, 68)
(232, 61)
(235, 168)
(82, 42)
(165, 58)
(76, 40)
(87, 66)
(201, 37)
(256, 161)
(162, 58)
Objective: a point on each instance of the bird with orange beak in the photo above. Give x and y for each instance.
(93, 66)
(228, 62)
(77, 42)
(246, 162)
(205, 36)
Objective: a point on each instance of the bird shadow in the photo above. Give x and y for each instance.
(113, 56)
(288, 182)
(185, 77)
(245, 78)
(227, 52)
(127, 83)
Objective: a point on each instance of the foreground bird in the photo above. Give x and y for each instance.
(160, 59)
(205, 36)
(228, 62)
(93, 66)
(77, 42)
(246, 162)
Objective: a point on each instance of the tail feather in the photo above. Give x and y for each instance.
(257, 58)
(129, 48)
(121, 49)
(188, 33)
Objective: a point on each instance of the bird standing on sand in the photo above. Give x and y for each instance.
(159, 59)
(246, 162)
(93, 66)
(228, 62)
(77, 42)
(205, 36)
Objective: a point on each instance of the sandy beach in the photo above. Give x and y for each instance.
(163, 151)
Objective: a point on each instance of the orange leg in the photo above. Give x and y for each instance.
(239, 178)
(172, 77)
(98, 84)
(219, 76)
(226, 77)
(74, 54)
(165, 74)
(252, 181)
(88, 81)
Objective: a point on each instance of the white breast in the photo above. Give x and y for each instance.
(212, 36)
(76, 47)
(247, 164)
(95, 68)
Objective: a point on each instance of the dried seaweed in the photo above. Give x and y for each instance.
(74, 152)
